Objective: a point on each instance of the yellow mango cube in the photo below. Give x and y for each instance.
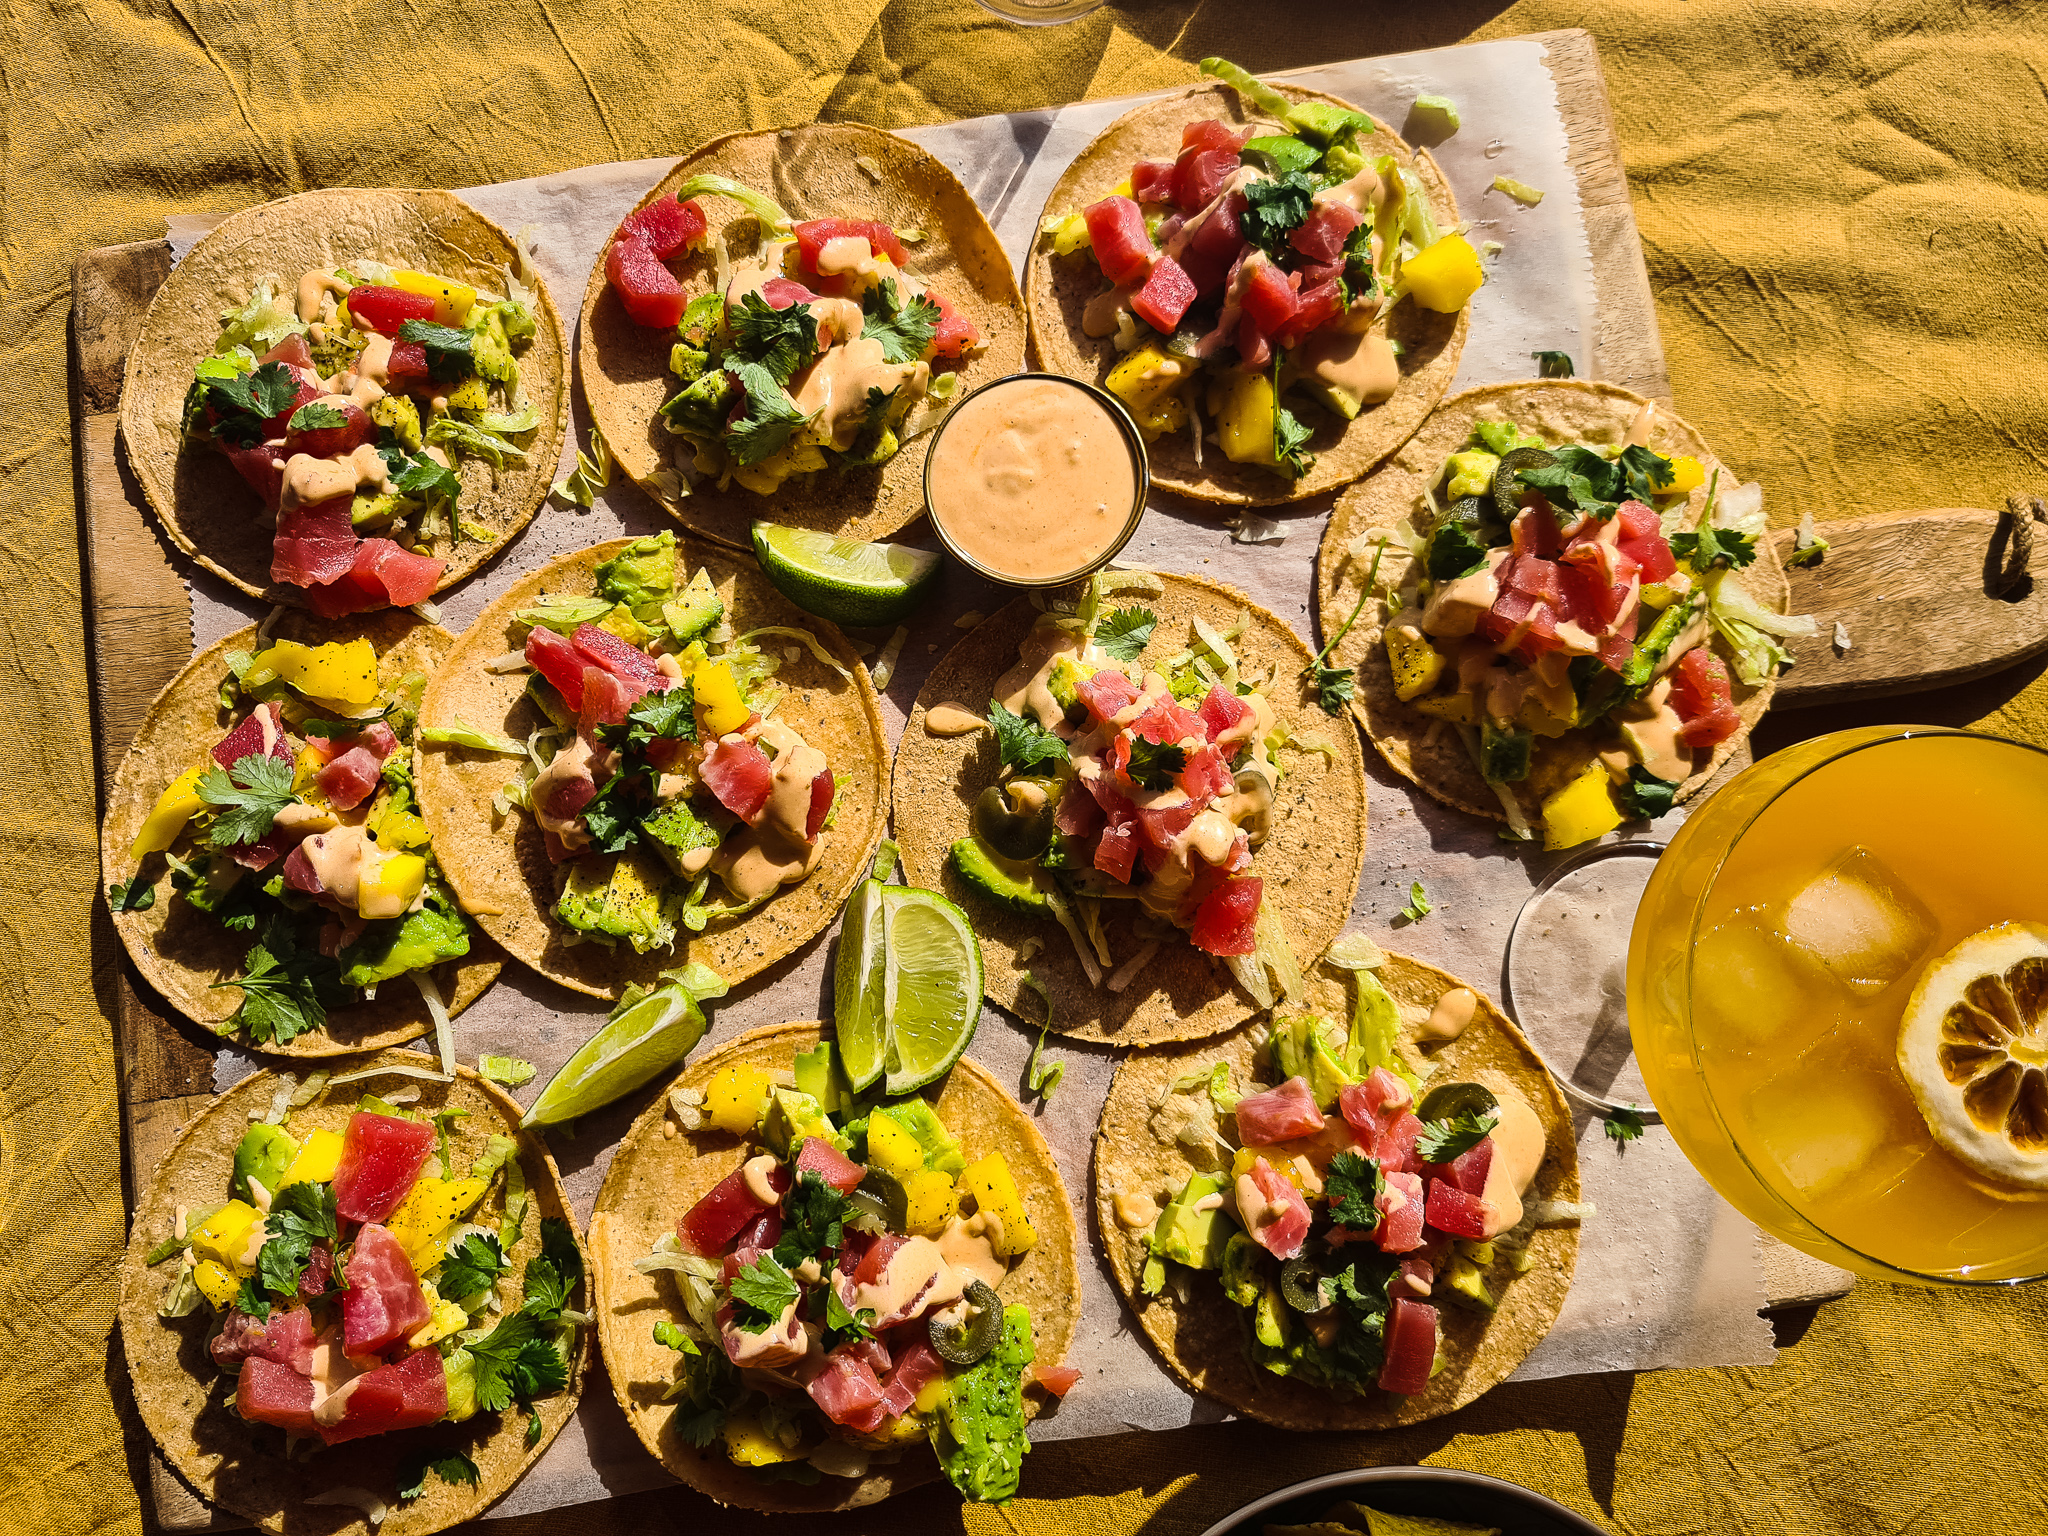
(430, 1208)
(719, 705)
(749, 1445)
(930, 1201)
(1417, 664)
(178, 804)
(319, 1157)
(1243, 408)
(398, 829)
(216, 1283)
(734, 1097)
(448, 1318)
(1461, 708)
(1444, 276)
(1687, 474)
(933, 1395)
(452, 300)
(1581, 811)
(224, 1236)
(391, 886)
(1148, 381)
(995, 1194)
(893, 1149)
(342, 673)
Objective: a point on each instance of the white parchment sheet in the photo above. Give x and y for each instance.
(1667, 1272)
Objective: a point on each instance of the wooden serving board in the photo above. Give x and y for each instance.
(139, 612)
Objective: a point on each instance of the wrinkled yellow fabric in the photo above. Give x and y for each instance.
(1846, 232)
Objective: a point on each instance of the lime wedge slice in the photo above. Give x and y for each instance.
(931, 989)
(857, 984)
(646, 1038)
(866, 586)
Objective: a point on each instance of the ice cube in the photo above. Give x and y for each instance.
(1838, 1122)
(1754, 991)
(1863, 926)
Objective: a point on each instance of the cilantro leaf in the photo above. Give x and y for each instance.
(763, 429)
(250, 1299)
(552, 1278)
(423, 479)
(1553, 365)
(1624, 1125)
(1022, 742)
(1419, 905)
(1453, 552)
(285, 990)
(244, 404)
(449, 1466)
(669, 715)
(250, 795)
(1334, 686)
(761, 1293)
(905, 330)
(514, 1361)
(780, 340)
(843, 1326)
(1290, 438)
(1443, 1140)
(614, 815)
(1710, 547)
(314, 416)
(813, 1213)
(300, 1215)
(1125, 633)
(533, 1429)
(1645, 794)
(136, 895)
(1353, 1185)
(451, 353)
(1645, 472)
(1274, 210)
(473, 1267)
(701, 1427)
(1153, 764)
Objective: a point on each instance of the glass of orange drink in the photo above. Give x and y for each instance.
(1838, 1000)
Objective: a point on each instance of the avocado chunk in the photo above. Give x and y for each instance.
(818, 1074)
(792, 1116)
(461, 1368)
(374, 509)
(941, 1151)
(877, 441)
(642, 575)
(266, 1151)
(676, 832)
(472, 394)
(620, 622)
(700, 409)
(1471, 473)
(491, 348)
(1504, 754)
(695, 611)
(1013, 887)
(400, 416)
(549, 702)
(1064, 684)
(1462, 1284)
(1323, 122)
(635, 899)
(1270, 1323)
(399, 946)
(1246, 1270)
(1191, 1236)
(687, 362)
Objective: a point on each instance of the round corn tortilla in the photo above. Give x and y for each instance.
(499, 866)
(208, 510)
(815, 171)
(180, 950)
(1431, 753)
(1202, 1339)
(1057, 289)
(658, 1174)
(241, 1467)
(1311, 860)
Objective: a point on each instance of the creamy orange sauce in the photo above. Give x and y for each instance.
(1033, 479)
(1518, 1147)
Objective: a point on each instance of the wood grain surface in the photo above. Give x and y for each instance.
(139, 612)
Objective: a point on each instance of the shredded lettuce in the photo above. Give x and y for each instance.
(266, 319)
(461, 735)
(563, 612)
(1742, 510)
(506, 423)
(466, 437)
(593, 472)
(1751, 629)
(816, 646)
(764, 208)
(1355, 952)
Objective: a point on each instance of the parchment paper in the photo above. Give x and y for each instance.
(1667, 1273)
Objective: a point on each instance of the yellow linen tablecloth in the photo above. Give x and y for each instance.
(1843, 212)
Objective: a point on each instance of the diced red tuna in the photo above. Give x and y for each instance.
(1535, 532)
(781, 293)
(1283, 1235)
(1116, 852)
(1213, 248)
(261, 467)
(717, 1218)
(559, 662)
(602, 648)
(819, 1156)
(874, 1261)
(1076, 813)
(1207, 775)
(1214, 133)
(1166, 722)
(1059, 1380)
(1319, 304)
(269, 1393)
(1269, 298)
(606, 699)
(1402, 1212)
(845, 1389)
(1468, 1169)
(383, 576)
(1321, 236)
(348, 781)
(377, 736)
(1167, 293)
(812, 234)
(1107, 694)
(384, 310)
(1652, 555)
(917, 1366)
(1396, 1146)
(383, 1304)
(286, 1339)
(1702, 695)
(407, 1395)
(332, 442)
(1198, 175)
(262, 853)
(824, 788)
(314, 544)
(319, 1270)
(1222, 710)
(740, 775)
(381, 1157)
(1454, 1212)
(1158, 826)
(407, 365)
(1410, 1347)
(1226, 922)
(1285, 1113)
(955, 333)
(1254, 346)
(666, 226)
(260, 734)
(649, 291)
(1116, 231)
(1152, 181)
(291, 351)
(757, 1236)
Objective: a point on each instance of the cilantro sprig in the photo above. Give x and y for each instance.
(905, 329)
(1274, 210)
(315, 416)
(1125, 633)
(669, 715)
(136, 895)
(1624, 1125)
(286, 990)
(450, 1466)
(813, 1218)
(244, 405)
(474, 1266)
(249, 796)
(300, 1215)
(764, 427)
(1709, 547)
(1353, 1185)
(761, 1293)
(1442, 1141)
(1022, 742)
(781, 340)
(451, 353)
(1153, 763)
(1336, 686)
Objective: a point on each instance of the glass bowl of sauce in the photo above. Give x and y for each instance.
(1036, 479)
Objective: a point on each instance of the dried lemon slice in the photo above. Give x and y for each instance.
(1974, 1049)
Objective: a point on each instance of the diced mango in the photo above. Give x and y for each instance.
(1444, 276)
(1123, 189)
(224, 1236)
(1243, 407)
(319, 1157)
(1688, 474)
(448, 1318)
(1581, 811)
(431, 1207)
(719, 705)
(1460, 708)
(452, 300)
(930, 1201)
(391, 886)
(934, 1393)
(1241, 1164)
(178, 804)
(216, 1283)
(306, 770)
(1417, 664)
(398, 829)
(995, 1194)
(1148, 381)
(893, 1149)
(341, 672)
(1471, 473)
(1069, 233)
(749, 1445)
(735, 1096)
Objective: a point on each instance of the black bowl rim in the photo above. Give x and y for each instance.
(1337, 1482)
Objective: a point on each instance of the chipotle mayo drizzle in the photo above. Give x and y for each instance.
(1032, 478)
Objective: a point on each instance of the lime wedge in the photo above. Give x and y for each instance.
(931, 989)
(857, 984)
(866, 586)
(643, 1038)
